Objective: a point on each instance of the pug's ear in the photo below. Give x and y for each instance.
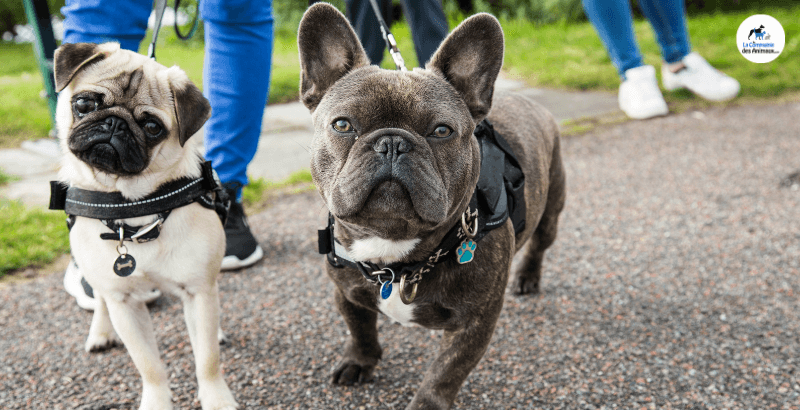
(192, 109)
(470, 59)
(329, 49)
(71, 58)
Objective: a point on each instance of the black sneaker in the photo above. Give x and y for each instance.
(242, 250)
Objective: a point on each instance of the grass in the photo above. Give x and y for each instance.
(257, 193)
(571, 56)
(29, 236)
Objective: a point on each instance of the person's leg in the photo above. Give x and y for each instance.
(683, 68)
(669, 22)
(98, 21)
(236, 74)
(614, 24)
(428, 26)
(367, 28)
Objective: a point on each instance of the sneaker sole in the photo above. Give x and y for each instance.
(233, 262)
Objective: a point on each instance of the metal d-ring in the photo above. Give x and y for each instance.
(407, 300)
(121, 243)
(465, 227)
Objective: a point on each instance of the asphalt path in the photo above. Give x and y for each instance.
(674, 283)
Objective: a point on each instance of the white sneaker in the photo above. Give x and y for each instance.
(700, 78)
(76, 285)
(639, 95)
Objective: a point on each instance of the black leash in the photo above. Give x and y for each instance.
(160, 7)
(389, 38)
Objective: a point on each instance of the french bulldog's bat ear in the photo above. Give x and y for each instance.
(329, 49)
(71, 58)
(470, 59)
(192, 109)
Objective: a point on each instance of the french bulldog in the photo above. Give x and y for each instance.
(125, 124)
(395, 160)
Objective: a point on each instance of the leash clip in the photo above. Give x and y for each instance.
(135, 237)
(403, 298)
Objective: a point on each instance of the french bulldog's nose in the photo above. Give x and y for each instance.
(392, 146)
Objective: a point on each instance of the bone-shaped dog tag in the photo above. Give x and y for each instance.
(124, 265)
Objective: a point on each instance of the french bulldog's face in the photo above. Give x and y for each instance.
(117, 108)
(394, 155)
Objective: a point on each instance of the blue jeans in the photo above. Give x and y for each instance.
(236, 71)
(425, 17)
(614, 24)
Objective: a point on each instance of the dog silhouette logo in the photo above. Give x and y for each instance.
(759, 32)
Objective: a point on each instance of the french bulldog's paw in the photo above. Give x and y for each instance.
(348, 374)
(466, 251)
(101, 342)
(525, 286)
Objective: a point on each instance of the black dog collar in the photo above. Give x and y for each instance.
(111, 206)
(498, 195)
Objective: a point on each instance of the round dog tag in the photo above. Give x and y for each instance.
(124, 265)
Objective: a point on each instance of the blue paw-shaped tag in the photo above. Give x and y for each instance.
(466, 252)
(386, 290)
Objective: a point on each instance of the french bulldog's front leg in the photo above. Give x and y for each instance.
(101, 332)
(459, 352)
(362, 351)
(132, 322)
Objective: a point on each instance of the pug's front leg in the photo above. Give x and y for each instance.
(362, 351)
(459, 352)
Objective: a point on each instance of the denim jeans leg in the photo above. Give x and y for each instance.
(668, 19)
(98, 21)
(236, 75)
(613, 21)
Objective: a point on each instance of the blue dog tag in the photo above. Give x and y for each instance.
(466, 252)
(386, 289)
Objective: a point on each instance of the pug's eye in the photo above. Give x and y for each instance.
(442, 131)
(153, 128)
(84, 106)
(342, 126)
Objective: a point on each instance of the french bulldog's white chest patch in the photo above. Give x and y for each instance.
(396, 309)
(379, 250)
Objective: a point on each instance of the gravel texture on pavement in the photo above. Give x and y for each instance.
(674, 283)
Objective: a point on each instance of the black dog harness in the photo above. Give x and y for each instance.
(498, 196)
(109, 207)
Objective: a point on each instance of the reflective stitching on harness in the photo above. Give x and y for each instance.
(137, 202)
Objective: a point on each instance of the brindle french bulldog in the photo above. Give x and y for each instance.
(395, 159)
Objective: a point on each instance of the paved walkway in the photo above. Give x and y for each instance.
(673, 284)
(283, 148)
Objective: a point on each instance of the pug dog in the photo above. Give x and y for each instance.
(396, 161)
(125, 124)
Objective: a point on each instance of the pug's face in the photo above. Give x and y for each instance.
(118, 109)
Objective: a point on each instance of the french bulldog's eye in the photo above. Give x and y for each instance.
(153, 128)
(442, 131)
(343, 126)
(84, 106)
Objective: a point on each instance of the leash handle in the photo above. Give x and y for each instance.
(161, 5)
(391, 44)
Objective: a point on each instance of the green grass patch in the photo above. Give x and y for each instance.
(5, 178)
(572, 56)
(23, 114)
(256, 194)
(30, 236)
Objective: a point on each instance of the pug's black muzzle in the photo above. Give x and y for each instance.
(109, 144)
